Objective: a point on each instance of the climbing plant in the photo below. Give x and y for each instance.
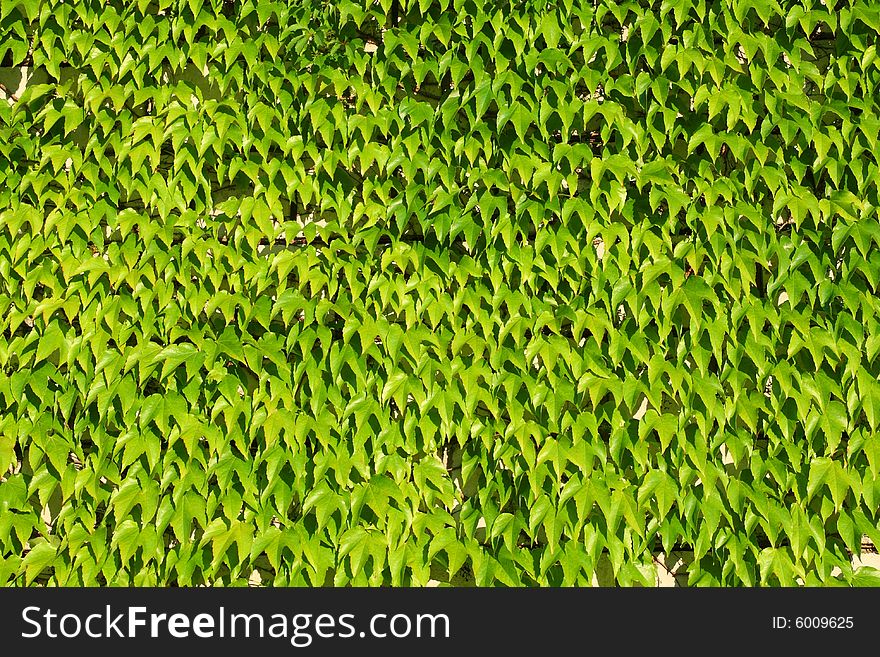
(510, 293)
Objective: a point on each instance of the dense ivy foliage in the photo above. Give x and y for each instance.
(384, 292)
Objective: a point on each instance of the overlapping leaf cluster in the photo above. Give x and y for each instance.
(382, 292)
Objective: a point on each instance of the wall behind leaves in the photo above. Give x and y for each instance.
(385, 292)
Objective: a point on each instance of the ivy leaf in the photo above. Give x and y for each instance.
(661, 486)
(41, 556)
(824, 471)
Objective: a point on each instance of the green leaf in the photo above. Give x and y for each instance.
(41, 556)
(824, 471)
(866, 576)
(51, 341)
(660, 486)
